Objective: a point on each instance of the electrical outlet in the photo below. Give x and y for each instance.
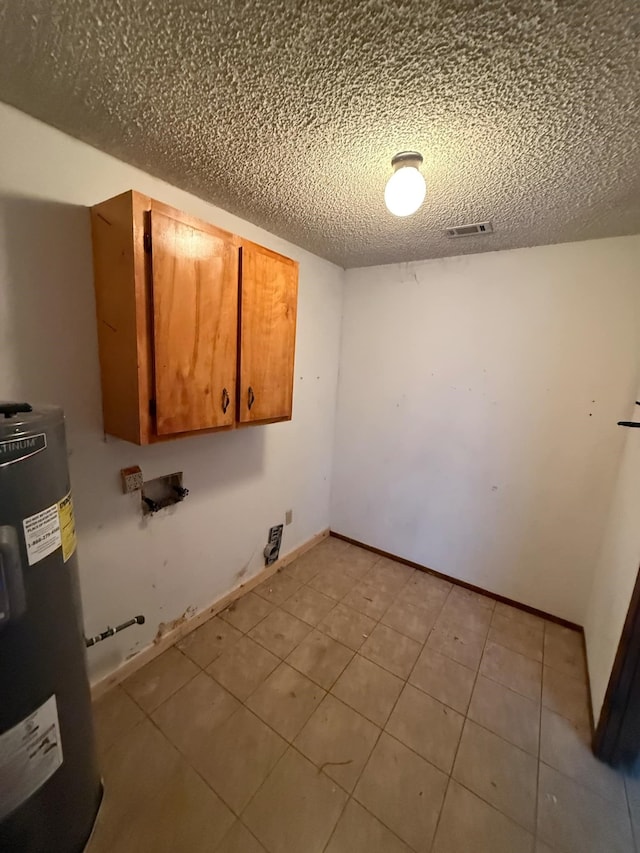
(288, 516)
(131, 479)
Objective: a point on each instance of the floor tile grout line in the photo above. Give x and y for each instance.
(389, 735)
(381, 728)
(191, 766)
(244, 825)
(375, 817)
(406, 680)
(358, 581)
(290, 744)
(537, 811)
(171, 695)
(579, 784)
(477, 671)
(457, 750)
(366, 764)
(495, 808)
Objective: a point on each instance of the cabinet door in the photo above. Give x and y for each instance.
(195, 305)
(268, 302)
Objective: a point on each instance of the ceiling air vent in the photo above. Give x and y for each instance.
(469, 230)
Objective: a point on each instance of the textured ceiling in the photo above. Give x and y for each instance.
(288, 113)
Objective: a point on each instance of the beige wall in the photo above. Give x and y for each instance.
(477, 406)
(617, 567)
(240, 483)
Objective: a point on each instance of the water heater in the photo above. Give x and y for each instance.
(50, 785)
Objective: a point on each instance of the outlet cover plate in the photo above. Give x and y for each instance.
(131, 479)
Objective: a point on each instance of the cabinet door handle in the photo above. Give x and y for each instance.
(250, 397)
(225, 400)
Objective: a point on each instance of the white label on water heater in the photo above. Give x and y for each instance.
(42, 533)
(30, 753)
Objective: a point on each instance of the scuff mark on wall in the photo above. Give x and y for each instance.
(243, 571)
(166, 627)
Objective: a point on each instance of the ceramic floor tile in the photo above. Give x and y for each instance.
(238, 756)
(469, 825)
(296, 809)
(564, 650)
(427, 726)
(358, 831)
(338, 740)
(159, 679)
(425, 590)
(567, 696)
(506, 713)
(464, 614)
(189, 716)
(576, 820)
(114, 714)
(468, 596)
(369, 600)
(505, 618)
(286, 700)
(500, 773)
(568, 749)
(240, 840)
(461, 644)
(512, 670)
(278, 588)
(334, 581)
(243, 667)
(246, 612)
(305, 568)
(347, 626)
(444, 679)
(154, 802)
(389, 576)
(395, 568)
(280, 632)
(334, 547)
(369, 689)
(320, 658)
(404, 791)
(414, 622)
(517, 636)
(309, 605)
(392, 650)
(357, 562)
(514, 614)
(209, 641)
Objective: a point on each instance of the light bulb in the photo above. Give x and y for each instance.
(406, 188)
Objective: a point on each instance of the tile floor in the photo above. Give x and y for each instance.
(353, 705)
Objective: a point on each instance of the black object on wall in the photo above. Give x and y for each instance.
(630, 423)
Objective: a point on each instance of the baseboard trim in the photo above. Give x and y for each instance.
(503, 599)
(184, 627)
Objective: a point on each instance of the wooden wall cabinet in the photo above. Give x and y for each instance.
(196, 327)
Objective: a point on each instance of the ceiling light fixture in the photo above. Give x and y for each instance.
(406, 188)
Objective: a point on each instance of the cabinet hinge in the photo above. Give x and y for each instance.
(152, 408)
(146, 242)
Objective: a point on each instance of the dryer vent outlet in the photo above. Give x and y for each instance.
(272, 549)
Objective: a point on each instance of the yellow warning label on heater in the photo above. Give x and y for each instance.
(67, 526)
